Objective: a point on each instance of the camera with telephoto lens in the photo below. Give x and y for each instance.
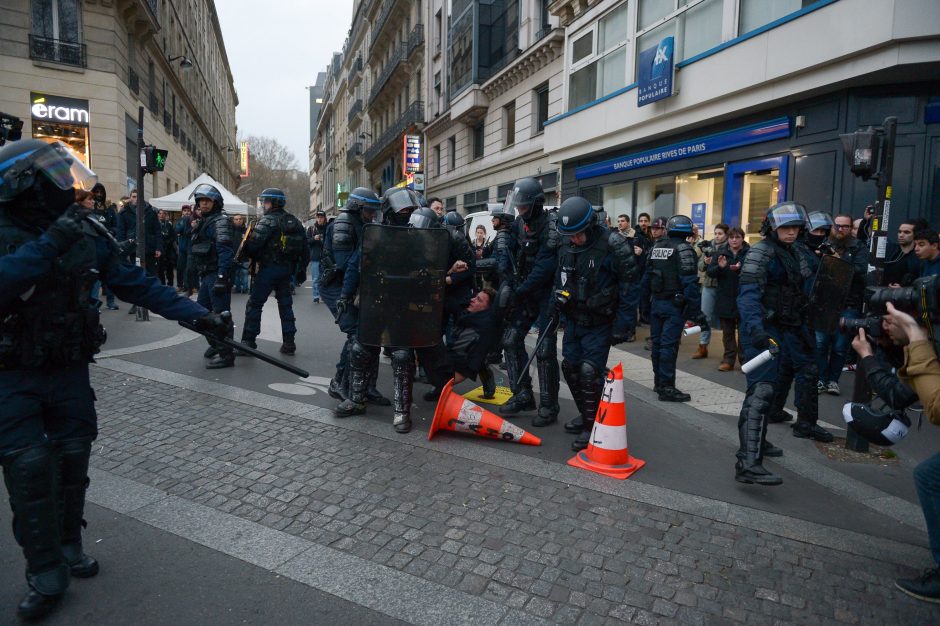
(870, 324)
(921, 300)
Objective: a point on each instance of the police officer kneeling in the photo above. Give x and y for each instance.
(592, 268)
(50, 258)
(279, 245)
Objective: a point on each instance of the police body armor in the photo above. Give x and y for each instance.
(202, 252)
(784, 302)
(283, 236)
(347, 234)
(52, 324)
(669, 260)
(531, 236)
(587, 305)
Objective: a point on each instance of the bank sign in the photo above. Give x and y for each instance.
(778, 128)
(656, 70)
(58, 109)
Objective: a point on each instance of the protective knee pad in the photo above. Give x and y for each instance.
(511, 338)
(572, 375)
(548, 349)
(592, 385)
(359, 355)
(73, 456)
(403, 369)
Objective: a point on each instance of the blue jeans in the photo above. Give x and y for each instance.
(242, 278)
(314, 278)
(831, 351)
(708, 308)
(97, 288)
(927, 481)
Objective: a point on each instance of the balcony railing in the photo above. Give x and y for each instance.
(353, 152)
(133, 81)
(354, 70)
(380, 21)
(402, 53)
(57, 51)
(414, 114)
(354, 111)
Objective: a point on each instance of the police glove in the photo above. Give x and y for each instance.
(702, 320)
(300, 277)
(214, 324)
(221, 285)
(66, 230)
(342, 305)
(760, 339)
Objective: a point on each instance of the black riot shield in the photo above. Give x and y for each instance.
(401, 285)
(830, 291)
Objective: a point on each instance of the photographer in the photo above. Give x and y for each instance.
(922, 372)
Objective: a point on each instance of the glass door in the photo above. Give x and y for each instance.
(752, 187)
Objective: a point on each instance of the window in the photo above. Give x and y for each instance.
(56, 32)
(450, 203)
(452, 144)
(756, 13)
(503, 190)
(476, 139)
(541, 108)
(599, 59)
(438, 33)
(696, 26)
(475, 200)
(509, 123)
(618, 200)
(437, 159)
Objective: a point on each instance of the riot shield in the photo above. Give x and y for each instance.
(830, 291)
(401, 285)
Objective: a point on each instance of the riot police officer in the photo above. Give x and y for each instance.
(278, 244)
(536, 242)
(212, 252)
(339, 277)
(459, 285)
(672, 275)
(50, 257)
(772, 303)
(593, 266)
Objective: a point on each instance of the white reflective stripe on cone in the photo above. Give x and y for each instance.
(609, 437)
(613, 391)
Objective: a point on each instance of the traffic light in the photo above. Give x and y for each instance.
(861, 150)
(153, 159)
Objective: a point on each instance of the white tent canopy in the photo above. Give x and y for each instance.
(176, 200)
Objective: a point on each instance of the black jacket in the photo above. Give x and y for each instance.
(316, 245)
(726, 293)
(127, 228)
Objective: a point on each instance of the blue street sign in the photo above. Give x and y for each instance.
(655, 72)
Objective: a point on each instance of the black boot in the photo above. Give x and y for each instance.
(769, 449)
(548, 386)
(358, 379)
(519, 403)
(811, 430)
(592, 386)
(373, 395)
(288, 346)
(489, 382)
(247, 341)
(225, 358)
(334, 390)
(572, 374)
(668, 393)
(73, 483)
(752, 432)
(210, 352)
(403, 369)
(778, 416)
(30, 476)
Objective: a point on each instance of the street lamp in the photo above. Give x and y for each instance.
(185, 62)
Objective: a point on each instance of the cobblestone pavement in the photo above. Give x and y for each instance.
(551, 551)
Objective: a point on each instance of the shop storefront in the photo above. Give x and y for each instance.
(57, 118)
(733, 172)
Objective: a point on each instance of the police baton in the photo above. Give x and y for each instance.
(231, 343)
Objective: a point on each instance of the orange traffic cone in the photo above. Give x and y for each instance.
(607, 452)
(456, 413)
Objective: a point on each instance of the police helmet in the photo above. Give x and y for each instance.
(783, 214)
(277, 197)
(422, 201)
(423, 217)
(575, 215)
(526, 197)
(206, 190)
(21, 163)
(679, 226)
(818, 219)
(362, 198)
(883, 428)
(497, 211)
(453, 220)
(398, 204)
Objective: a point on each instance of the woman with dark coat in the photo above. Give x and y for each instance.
(726, 268)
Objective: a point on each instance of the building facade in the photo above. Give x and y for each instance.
(760, 93)
(77, 71)
(329, 168)
(495, 78)
(316, 94)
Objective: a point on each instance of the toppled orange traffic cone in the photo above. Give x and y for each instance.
(607, 452)
(457, 414)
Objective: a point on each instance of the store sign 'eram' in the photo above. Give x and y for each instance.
(58, 109)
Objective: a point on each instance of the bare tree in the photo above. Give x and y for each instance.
(271, 164)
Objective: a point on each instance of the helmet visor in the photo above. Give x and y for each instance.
(818, 219)
(402, 199)
(421, 220)
(64, 168)
(788, 214)
(205, 191)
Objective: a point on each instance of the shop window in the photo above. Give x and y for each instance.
(656, 196)
(599, 59)
(618, 200)
(755, 13)
(700, 195)
(56, 34)
(696, 26)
